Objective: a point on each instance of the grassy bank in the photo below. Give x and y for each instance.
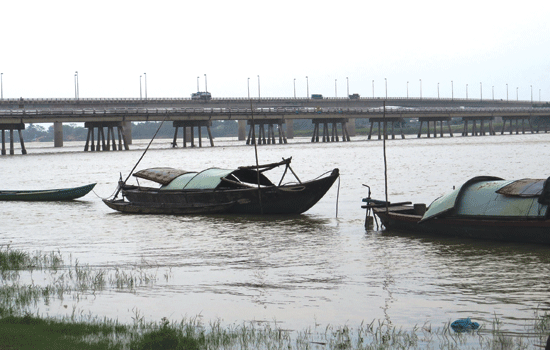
(21, 327)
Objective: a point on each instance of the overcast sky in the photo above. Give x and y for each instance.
(484, 44)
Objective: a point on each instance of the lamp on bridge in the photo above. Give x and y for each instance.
(420, 88)
(145, 74)
(294, 87)
(307, 87)
(2, 86)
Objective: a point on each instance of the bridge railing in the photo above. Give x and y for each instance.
(365, 112)
(242, 99)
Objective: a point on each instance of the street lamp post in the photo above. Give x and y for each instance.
(373, 89)
(438, 90)
(205, 84)
(517, 93)
(145, 78)
(407, 89)
(506, 91)
(198, 89)
(539, 95)
(386, 86)
(452, 91)
(307, 86)
(140, 87)
(335, 88)
(76, 87)
(493, 89)
(248, 87)
(420, 88)
(466, 91)
(531, 93)
(294, 87)
(347, 83)
(259, 87)
(2, 86)
(480, 91)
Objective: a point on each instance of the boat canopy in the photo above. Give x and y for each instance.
(212, 178)
(487, 197)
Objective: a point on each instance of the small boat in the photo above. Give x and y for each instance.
(62, 194)
(245, 190)
(484, 207)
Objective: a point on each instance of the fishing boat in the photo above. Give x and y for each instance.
(62, 194)
(484, 207)
(245, 190)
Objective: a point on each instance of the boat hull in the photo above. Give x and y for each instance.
(286, 199)
(127, 207)
(62, 194)
(513, 230)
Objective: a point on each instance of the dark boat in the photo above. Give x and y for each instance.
(62, 194)
(484, 207)
(217, 190)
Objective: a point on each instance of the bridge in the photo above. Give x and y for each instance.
(190, 114)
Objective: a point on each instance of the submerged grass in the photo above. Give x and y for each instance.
(21, 329)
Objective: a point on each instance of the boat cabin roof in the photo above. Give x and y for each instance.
(209, 179)
(486, 196)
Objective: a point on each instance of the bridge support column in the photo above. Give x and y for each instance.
(127, 131)
(434, 120)
(290, 128)
(383, 125)
(188, 127)
(481, 120)
(351, 127)
(262, 139)
(11, 127)
(242, 130)
(516, 119)
(58, 134)
(330, 135)
(101, 144)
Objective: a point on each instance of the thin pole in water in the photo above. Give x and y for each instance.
(385, 162)
(140, 158)
(256, 153)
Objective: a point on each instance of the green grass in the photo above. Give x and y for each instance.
(21, 329)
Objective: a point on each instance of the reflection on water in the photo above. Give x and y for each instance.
(298, 270)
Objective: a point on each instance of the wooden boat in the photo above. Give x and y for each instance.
(62, 194)
(217, 190)
(484, 207)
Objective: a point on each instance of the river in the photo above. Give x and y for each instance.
(318, 268)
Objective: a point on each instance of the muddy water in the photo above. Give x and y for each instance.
(311, 269)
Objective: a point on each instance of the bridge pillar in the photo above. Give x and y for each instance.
(351, 127)
(127, 130)
(242, 130)
(262, 139)
(383, 125)
(289, 128)
(189, 133)
(11, 127)
(58, 134)
(111, 136)
(330, 135)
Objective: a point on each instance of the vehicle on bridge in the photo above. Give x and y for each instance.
(201, 95)
(317, 96)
